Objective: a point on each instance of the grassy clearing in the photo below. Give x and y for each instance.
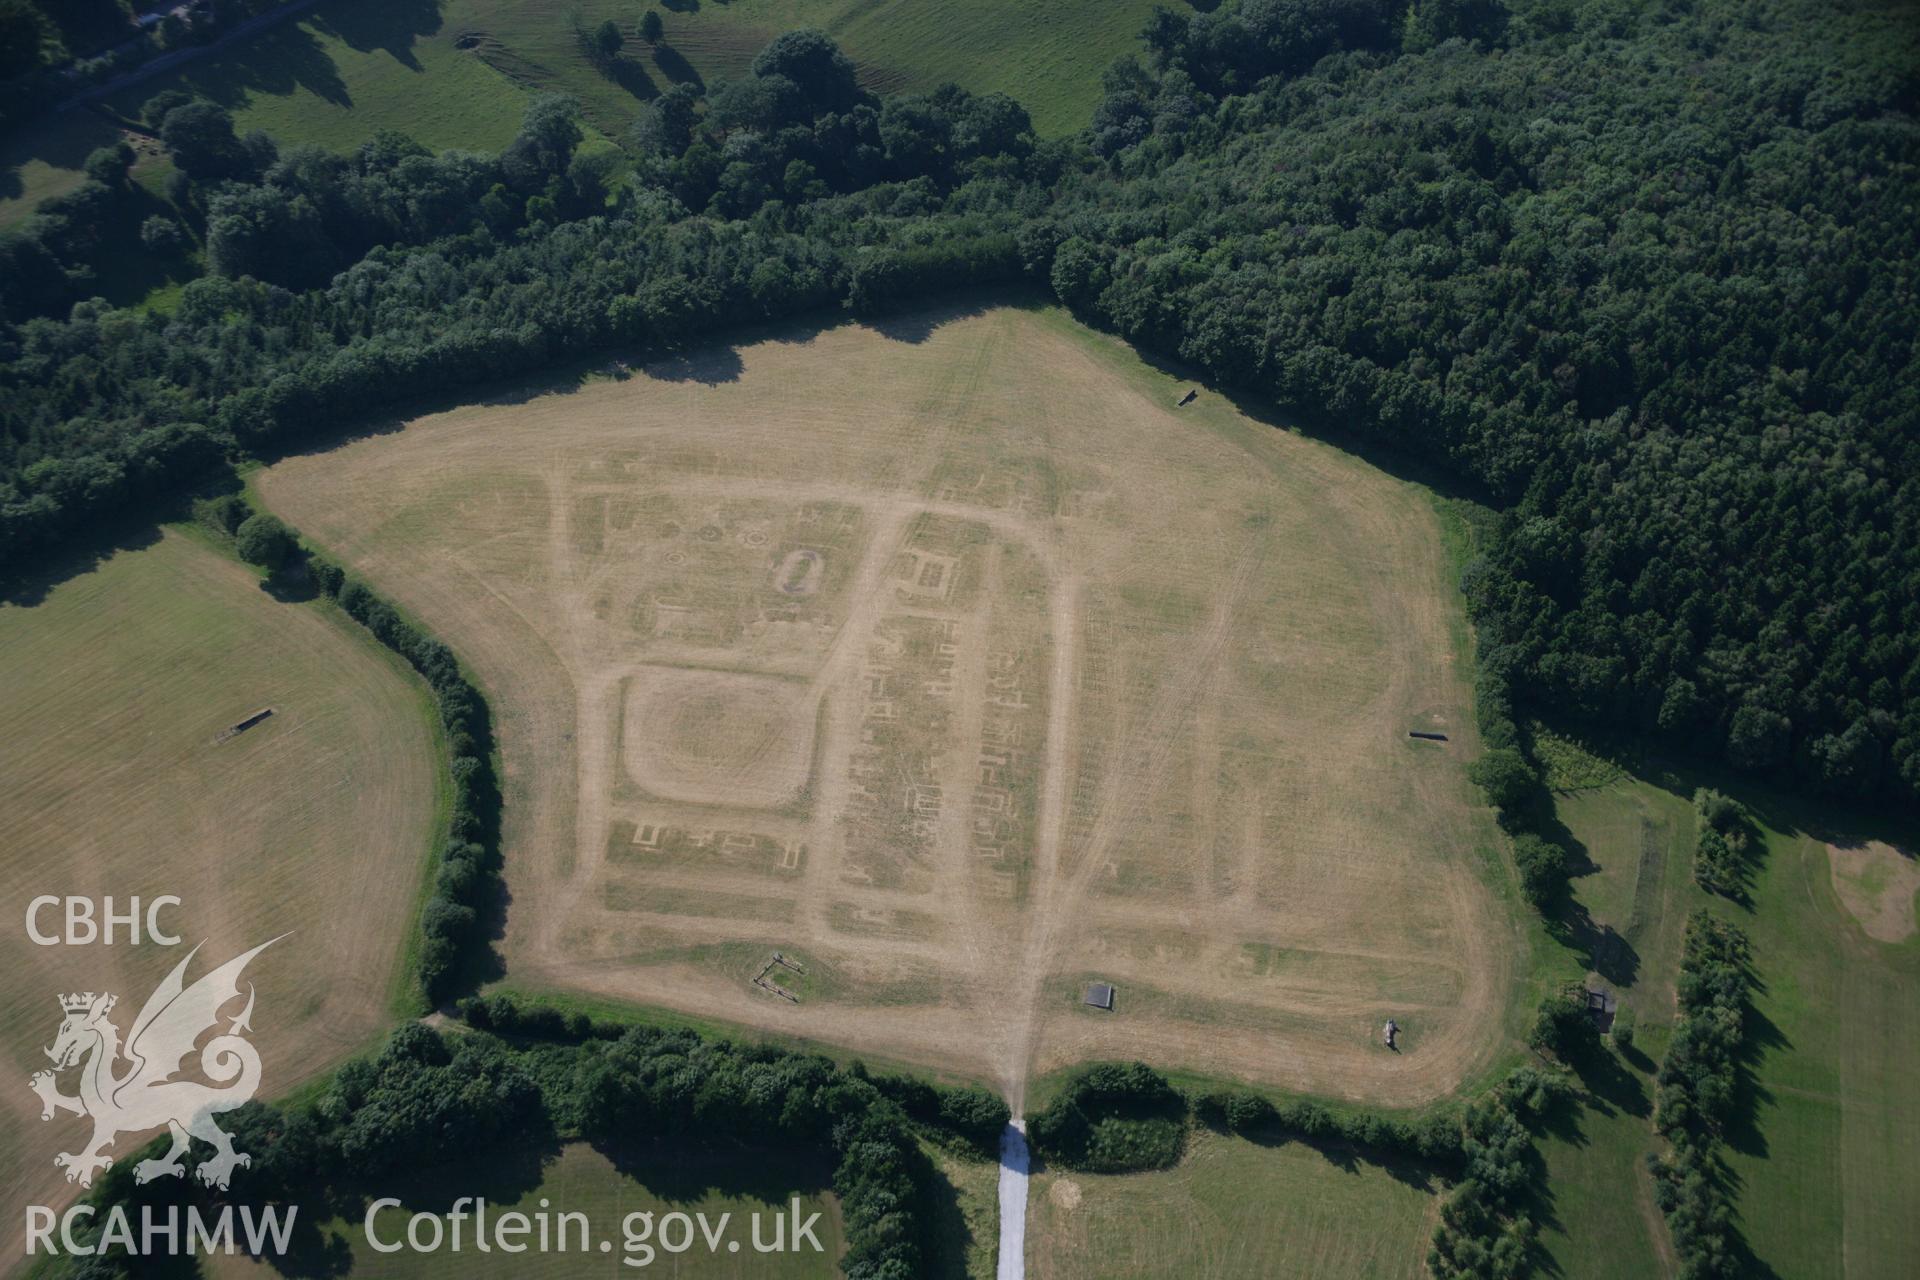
(657, 1181)
(314, 821)
(1599, 1218)
(44, 161)
(1829, 1170)
(1233, 1208)
(1826, 1167)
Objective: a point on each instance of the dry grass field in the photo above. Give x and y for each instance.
(316, 821)
(958, 666)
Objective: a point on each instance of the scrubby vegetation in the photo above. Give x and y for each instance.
(1563, 1028)
(1112, 1118)
(1486, 1230)
(1723, 834)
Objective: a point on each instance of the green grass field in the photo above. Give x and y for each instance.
(1602, 1221)
(1826, 1165)
(1830, 1168)
(1047, 53)
(459, 73)
(340, 73)
(1233, 1208)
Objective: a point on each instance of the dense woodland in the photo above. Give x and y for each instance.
(1641, 274)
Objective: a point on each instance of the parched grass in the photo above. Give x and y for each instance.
(313, 823)
(1143, 674)
(1233, 1208)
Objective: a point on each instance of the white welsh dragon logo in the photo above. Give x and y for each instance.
(145, 1095)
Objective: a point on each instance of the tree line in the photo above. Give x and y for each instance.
(1638, 275)
(464, 910)
(1127, 1117)
(1698, 1097)
(427, 1096)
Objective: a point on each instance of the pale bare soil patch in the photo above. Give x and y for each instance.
(316, 821)
(959, 670)
(1876, 883)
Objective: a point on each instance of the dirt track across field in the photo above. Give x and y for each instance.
(961, 668)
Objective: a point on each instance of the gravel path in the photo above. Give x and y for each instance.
(1013, 1202)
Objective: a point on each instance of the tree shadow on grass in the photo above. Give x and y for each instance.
(393, 26)
(1611, 1086)
(1601, 947)
(687, 1171)
(274, 63)
(29, 584)
(502, 1176)
(499, 1176)
(709, 366)
(58, 141)
(1761, 1037)
(630, 75)
(947, 1237)
(674, 66)
(915, 323)
(1535, 1199)
(915, 326)
(1746, 1264)
(1345, 1156)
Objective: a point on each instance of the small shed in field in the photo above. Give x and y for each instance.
(1100, 996)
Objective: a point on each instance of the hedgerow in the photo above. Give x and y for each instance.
(1698, 1091)
(428, 1098)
